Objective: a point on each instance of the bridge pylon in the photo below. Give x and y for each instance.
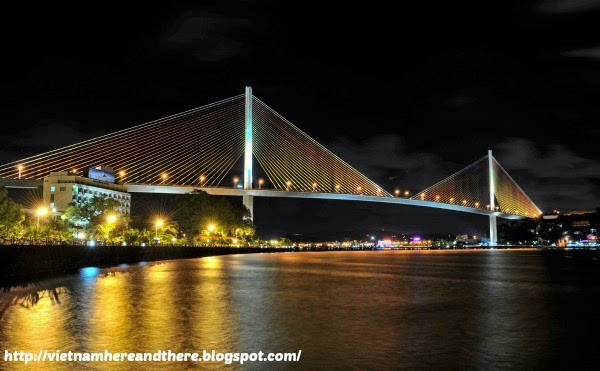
(493, 222)
(248, 200)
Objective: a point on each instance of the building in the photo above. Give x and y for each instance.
(62, 188)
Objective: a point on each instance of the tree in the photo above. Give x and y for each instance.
(11, 214)
(198, 210)
(92, 216)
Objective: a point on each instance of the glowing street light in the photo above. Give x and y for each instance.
(211, 229)
(260, 183)
(110, 219)
(202, 178)
(437, 198)
(406, 193)
(397, 192)
(337, 187)
(20, 168)
(235, 181)
(122, 174)
(314, 186)
(288, 185)
(464, 202)
(164, 177)
(359, 189)
(41, 211)
(158, 223)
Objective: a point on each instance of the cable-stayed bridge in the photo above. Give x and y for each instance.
(197, 149)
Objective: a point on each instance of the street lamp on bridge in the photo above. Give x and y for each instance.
(260, 183)
(235, 181)
(202, 178)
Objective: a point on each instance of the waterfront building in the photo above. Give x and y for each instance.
(63, 187)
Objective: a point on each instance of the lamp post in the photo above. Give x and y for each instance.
(164, 177)
(110, 219)
(158, 223)
(20, 167)
(260, 183)
(202, 177)
(41, 211)
(211, 228)
(288, 184)
(235, 182)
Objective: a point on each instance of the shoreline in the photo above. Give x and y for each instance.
(25, 262)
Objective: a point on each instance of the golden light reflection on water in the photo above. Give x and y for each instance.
(214, 329)
(110, 324)
(157, 310)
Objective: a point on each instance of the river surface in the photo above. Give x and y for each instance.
(430, 310)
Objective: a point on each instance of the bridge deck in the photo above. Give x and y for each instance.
(221, 191)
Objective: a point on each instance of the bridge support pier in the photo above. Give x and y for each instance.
(493, 231)
(248, 201)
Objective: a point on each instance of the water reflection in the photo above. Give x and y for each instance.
(30, 299)
(378, 310)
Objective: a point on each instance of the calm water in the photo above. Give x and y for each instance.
(485, 310)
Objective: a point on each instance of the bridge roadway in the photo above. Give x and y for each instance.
(224, 191)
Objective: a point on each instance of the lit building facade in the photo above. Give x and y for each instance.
(62, 188)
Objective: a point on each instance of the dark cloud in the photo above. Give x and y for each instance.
(209, 37)
(385, 159)
(554, 176)
(557, 161)
(42, 136)
(566, 6)
(591, 53)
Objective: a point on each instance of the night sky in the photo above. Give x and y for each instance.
(430, 89)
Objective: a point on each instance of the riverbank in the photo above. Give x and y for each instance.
(21, 262)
